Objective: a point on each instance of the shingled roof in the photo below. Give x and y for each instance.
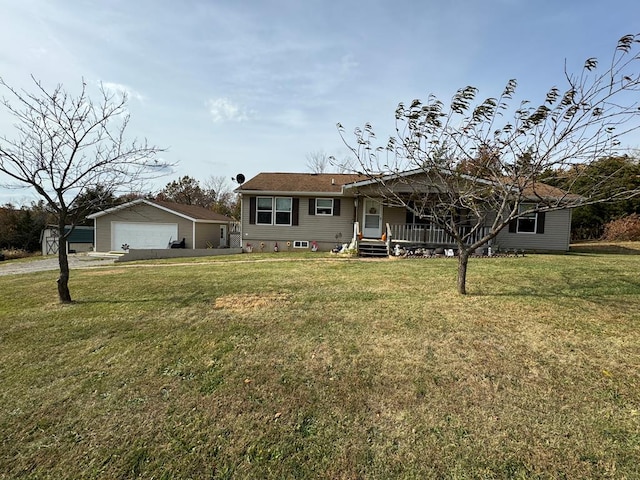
(192, 212)
(543, 191)
(299, 182)
(291, 183)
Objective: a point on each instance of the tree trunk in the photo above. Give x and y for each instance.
(63, 262)
(463, 260)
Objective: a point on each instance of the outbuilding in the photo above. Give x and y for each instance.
(79, 240)
(153, 224)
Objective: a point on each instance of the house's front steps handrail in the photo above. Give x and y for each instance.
(417, 233)
(356, 233)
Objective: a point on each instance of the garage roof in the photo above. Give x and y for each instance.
(191, 212)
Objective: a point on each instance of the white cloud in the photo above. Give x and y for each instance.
(224, 110)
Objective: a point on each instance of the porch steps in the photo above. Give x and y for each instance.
(372, 248)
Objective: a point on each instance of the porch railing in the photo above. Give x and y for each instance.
(417, 233)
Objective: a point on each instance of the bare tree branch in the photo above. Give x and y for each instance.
(65, 146)
(318, 162)
(490, 157)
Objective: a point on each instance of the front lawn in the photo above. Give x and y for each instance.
(311, 367)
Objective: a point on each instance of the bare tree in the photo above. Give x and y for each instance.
(487, 159)
(344, 164)
(225, 200)
(66, 145)
(318, 162)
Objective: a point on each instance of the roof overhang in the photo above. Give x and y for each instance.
(151, 204)
(290, 193)
(116, 208)
(409, 173)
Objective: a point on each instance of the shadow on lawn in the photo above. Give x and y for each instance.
(592, 290)
(602, 248)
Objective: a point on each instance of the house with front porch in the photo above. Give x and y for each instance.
(302, 211)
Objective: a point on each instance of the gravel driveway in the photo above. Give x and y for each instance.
(76, 261)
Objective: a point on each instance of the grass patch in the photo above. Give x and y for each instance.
(622, 248)
(311, 368)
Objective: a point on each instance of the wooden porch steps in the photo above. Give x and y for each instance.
(372, 248)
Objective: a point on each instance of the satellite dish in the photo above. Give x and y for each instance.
(240, 178)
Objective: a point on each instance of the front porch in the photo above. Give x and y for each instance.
(411, 235)
(429, 236)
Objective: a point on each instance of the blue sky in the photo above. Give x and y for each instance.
(244, 86)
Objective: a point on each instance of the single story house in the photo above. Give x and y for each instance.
(318, 211)
(154, 224)
(79, 240)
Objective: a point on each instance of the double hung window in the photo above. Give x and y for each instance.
(283, 210)
(324, 206)
(274, 210)
(528, 222)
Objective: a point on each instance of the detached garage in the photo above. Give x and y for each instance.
(143, 235)
(152, 224)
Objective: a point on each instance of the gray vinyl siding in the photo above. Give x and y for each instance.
(323, 229)
(139, 213)
(392, 215)
(102, 234)
(556, 236)
(208, 232)
(319, 228)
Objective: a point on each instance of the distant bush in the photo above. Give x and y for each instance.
(15, 253)
(625, 228)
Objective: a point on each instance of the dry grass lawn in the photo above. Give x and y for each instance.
(317, 368)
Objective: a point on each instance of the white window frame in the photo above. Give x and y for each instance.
(300, 244)
(276, 211)
(530, 216)
(325, 213)
(263, 210)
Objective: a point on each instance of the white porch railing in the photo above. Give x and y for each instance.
(416, 233)
(356, 233)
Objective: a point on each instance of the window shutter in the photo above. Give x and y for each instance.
(312, 206)
(513, 225)
(540, 224)
(252, 210)
(336, 207)
(295, 209)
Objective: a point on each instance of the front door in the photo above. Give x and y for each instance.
(223, 236)
(372, 219)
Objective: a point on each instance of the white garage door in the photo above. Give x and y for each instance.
(142, 235)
